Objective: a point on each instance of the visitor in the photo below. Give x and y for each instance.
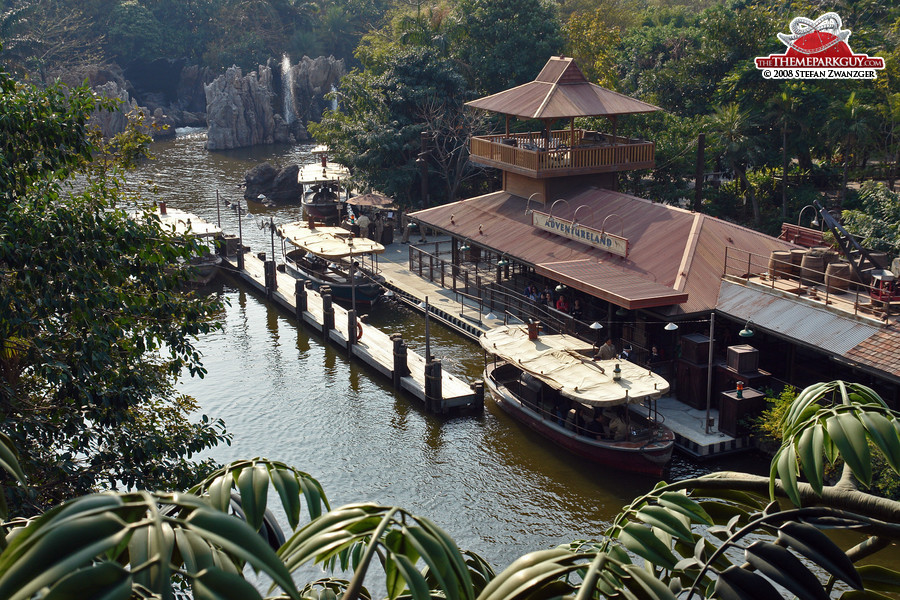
(562, 305)
(607, 351)
(577, 311)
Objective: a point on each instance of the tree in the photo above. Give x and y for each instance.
(850, 128)
(724, 535)
(506, 44)
(876, 222)
(736, 132)
(95, 325)
(377, 132)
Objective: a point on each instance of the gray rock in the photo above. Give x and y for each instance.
(278, 187)
(239, 109)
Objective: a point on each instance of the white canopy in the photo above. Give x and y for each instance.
(563, 362)
(327, 242)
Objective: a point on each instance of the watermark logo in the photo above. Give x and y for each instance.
(818, 50)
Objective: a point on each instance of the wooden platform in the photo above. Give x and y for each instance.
(375, 348)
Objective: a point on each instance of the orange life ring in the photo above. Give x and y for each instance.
(358, 331)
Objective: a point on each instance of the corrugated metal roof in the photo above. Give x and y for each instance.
(561, 92)
(793, 318)
(611, 283)
(668, 246)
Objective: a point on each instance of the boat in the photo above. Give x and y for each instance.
(552, 384)
(326, 255)
(321, 182)
(202, 267)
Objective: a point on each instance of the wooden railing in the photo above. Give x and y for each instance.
(563, 153)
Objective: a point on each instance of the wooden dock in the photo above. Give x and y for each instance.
(440, 391)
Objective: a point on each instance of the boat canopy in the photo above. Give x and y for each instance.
(329, 243)
(563, 362)
(183, 223)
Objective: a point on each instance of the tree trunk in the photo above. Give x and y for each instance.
(748, 189)
(843, 195)
(784, 172)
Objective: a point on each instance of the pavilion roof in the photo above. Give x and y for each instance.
(561, 91)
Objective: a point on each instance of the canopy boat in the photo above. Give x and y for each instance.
(203, 267)
(602, 410)
(321, 182)
(332, 256)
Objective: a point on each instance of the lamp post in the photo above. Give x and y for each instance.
(814, 222)
(709, 369)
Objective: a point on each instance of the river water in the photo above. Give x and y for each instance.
(497, 489)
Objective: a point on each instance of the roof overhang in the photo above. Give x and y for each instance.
(611, 283)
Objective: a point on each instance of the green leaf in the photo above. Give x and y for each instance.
(220, 492)
(104, 581)
(849, 435)
(785, 465)
(397, 543)
(520, 566)
(884, 435)
(9, 458)
(811, 449)
(879, 578)
(642, 541)
(62, 550)
(818, 547)
(685, 505)
(434, 555)
(669, 521)
(285, 482)
(737, 584)
(641, 579)
(253, 483)
(785, 569)
(213, 584)
(418, 587)
(237, 538)
(453, 553)
(195, 552)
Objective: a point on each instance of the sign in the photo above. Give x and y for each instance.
(580, 233)
(818, 50)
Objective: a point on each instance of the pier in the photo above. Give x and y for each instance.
(422, 377)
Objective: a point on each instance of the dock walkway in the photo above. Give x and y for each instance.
(373, 346)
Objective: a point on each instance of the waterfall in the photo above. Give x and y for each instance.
(287, 83)
(333, 98)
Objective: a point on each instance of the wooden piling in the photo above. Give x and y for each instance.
(327, 311)
(300, 300)
(353, 329)
(401, 364)
(478, 388)
(271, 280)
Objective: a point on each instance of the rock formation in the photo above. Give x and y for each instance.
(239, 109)
(278, 187)
(312, 78)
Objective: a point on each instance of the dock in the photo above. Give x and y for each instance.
(440, 391)
(378, 349)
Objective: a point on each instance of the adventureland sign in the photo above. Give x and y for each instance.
(580, 233)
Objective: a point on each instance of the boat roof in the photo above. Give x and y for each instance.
(327, 242)
(563, 362)
(315, 173)
(183, 223)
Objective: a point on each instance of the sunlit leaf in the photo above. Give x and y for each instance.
(785, 569)
(818, 547)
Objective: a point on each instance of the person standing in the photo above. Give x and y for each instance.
(607, 351)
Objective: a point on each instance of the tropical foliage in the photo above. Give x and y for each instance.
(725, 535)
(95, 325)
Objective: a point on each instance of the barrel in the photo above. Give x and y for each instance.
(812, 269)
(881, 259)
(780, 263)
(837, 275)
(796, 259)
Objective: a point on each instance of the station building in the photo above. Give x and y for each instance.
(644, 274)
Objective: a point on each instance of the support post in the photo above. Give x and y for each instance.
(270, 277)
(698, 174)
(300, 299)
(327, 311)
(437, 392)
(478, 388)
(352, 330)
(709, 370)
(401, 366)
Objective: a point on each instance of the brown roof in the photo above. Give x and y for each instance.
(672, 251)
(881, 351)
(561, 91)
